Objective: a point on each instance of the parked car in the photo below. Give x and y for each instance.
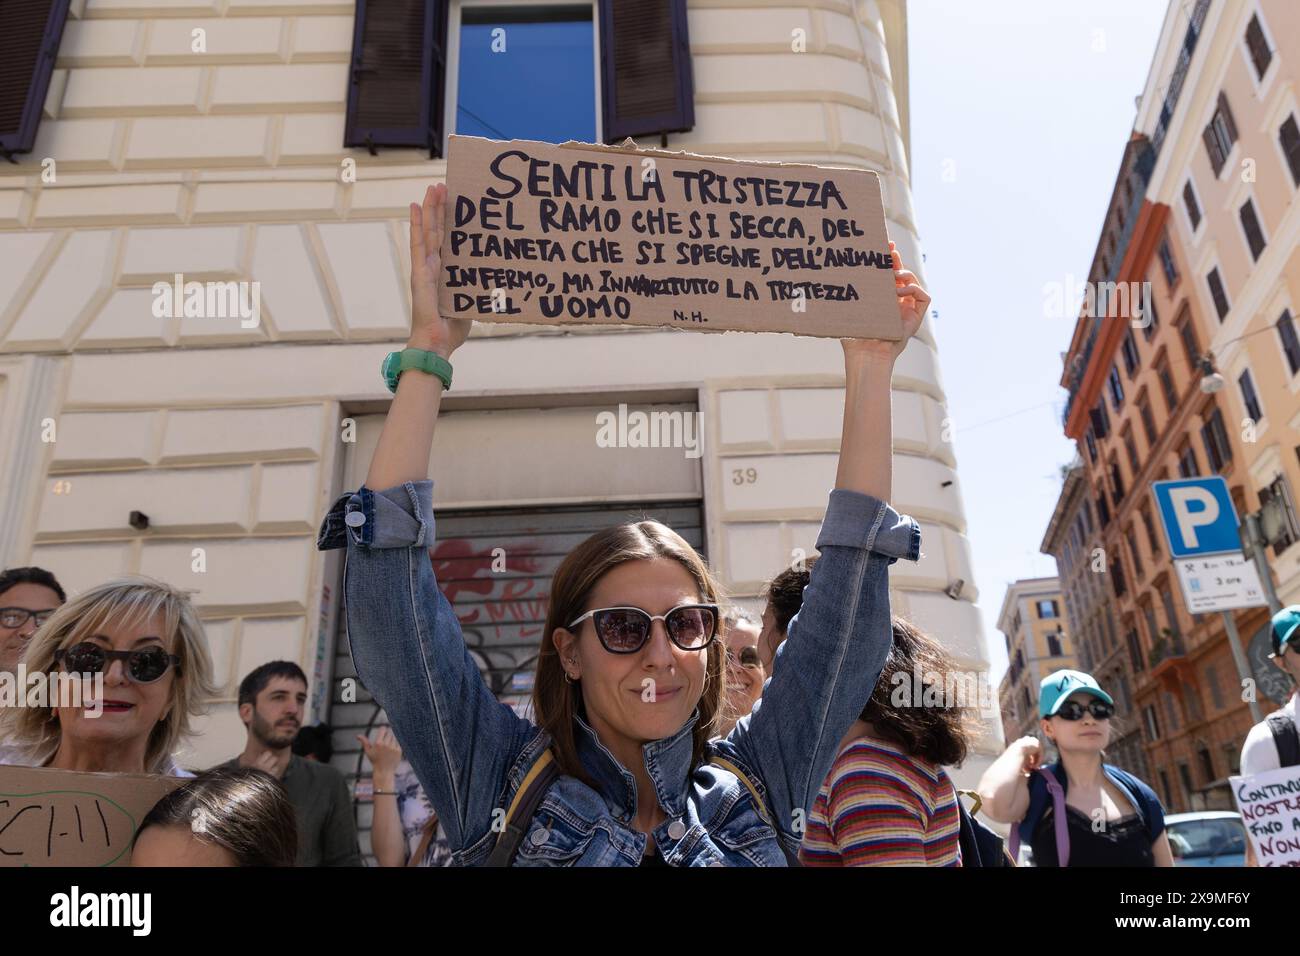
(1207, 838)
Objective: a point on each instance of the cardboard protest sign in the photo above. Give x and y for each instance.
(617, 236)
(1269, 804)
(63, 818)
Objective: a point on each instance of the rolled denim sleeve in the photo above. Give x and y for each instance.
(410, 654)
(828, 666)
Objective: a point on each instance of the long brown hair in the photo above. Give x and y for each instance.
(937, 732)
(556, 701)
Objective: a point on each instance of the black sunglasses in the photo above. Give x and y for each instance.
(625, 630)
(144, 665)
(1073, 710)
(748, 656)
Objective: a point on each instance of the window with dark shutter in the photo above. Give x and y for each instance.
(1220, 134)
(1193, 207)
(646, 65)
(1290, 342)
(30, 31)
(1288, 135)
(1249, 397)
(1217, 449)
(1168, 265)
(1215, 282)
(1250, 225)
(395, 86)
(1260, 54)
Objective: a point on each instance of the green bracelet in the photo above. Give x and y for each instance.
(395, 363)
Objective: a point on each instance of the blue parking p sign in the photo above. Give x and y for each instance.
(1198, 516)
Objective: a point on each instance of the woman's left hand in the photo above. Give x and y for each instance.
(913, 303)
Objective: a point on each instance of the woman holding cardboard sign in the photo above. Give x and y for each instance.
(619, 769)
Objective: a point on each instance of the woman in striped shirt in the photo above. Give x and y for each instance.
(888, 801)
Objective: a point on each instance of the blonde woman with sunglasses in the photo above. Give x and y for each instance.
(133, 662)
(620, 768)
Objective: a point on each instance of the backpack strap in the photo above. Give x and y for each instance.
(1059, 822)
(528, 797)
(1285, 737)
(725, 764)
(427, 834)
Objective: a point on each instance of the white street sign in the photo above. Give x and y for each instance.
(1221, 582)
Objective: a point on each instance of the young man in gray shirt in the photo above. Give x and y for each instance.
(272, 703)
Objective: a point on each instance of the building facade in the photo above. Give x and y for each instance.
(1032, 622)
(1143, 405)
(153, 158)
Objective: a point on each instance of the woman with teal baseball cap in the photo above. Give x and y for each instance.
(1078, 811)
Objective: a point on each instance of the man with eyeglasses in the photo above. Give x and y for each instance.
(28, 596)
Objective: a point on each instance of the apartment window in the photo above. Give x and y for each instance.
(1134, 650)
(1171, 617)
(1190, 349)
(1100, 419)
(1217, 293)
(1251, 227)
(1054, 644)
(1153, 731)
(1191, 205)
(1260, 55)
(1171, 711)
(1279, 492)
(1288, 135)
(1148, 420)
(1116, 388)
(1152, 540)
(1103, 510)
(1212, 682)
(1130, 448)
(1219, 135)
(1169, 793)
(1116, 483)
(1048, 609)
(1218, 451)
(1149, 614)
(1092, 445)
(1248, 396)
(1187, 464)
(1150, 318)
(1290, 344)
(1167, 386)
(1168, 265)
(1129, 350)
(1138, 572)
(1117, 578)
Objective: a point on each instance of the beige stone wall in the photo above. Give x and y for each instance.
(227, 166)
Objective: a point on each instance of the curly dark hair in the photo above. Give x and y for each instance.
(784, 593)
(918, 667)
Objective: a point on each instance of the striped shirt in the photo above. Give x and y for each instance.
(880, 807)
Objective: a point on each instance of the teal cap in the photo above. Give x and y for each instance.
(1059, 685)
(1284, 627)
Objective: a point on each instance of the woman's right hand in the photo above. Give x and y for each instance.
(1031, 754)
(429, 330)
(384, 752)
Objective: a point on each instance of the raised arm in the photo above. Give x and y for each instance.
(1004, 788)
(405, 638)
(826, 670)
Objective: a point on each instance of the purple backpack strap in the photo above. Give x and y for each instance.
(1059, 822)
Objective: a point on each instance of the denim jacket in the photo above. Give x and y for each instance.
(471, 752)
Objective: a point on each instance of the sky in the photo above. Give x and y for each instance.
(1020, 110)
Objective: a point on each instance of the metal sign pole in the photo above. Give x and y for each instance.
(1254, 539)
(1243, 665)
